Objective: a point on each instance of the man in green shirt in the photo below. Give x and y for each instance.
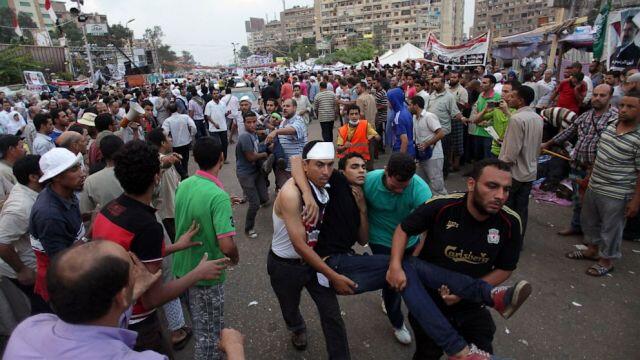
(201, 198)
(482, 115)
(501, 117)
(392, 194)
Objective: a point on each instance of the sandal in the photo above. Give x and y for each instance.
(182, 343)
(580, 255)
(598, 270)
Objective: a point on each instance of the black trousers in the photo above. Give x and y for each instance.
(327, 131)
(288, 277)
(519, 201)
(632, 229)
(224, 140)
(201, 126)
(38, 305)
(475, 325)
(183, 166)
(151, 336)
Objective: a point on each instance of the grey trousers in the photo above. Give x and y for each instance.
(431, 172)
(603, 222)
(255, 190)
(206, 304)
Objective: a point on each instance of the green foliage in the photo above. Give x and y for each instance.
(73, 34)
(303, 50)
(165, 56)
(8, 34)
(13, 61)
(364, 50)
(65, 76)
(244, 52)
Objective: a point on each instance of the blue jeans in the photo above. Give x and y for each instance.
(392, 299)
(369, 273)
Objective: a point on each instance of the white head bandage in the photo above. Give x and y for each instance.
(321, 151)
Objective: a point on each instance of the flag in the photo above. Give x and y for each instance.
(49, 8)
(600, 27)
(16, 25)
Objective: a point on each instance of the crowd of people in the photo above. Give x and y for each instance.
(103, 222)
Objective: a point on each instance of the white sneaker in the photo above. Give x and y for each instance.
(402, 335)
(384, 308)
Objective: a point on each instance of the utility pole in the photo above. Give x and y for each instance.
(235, 53)
(86, 42)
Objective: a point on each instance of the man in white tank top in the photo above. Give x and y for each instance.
(288, 272)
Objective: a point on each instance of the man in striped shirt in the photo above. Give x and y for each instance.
(587, 128)
(325, 107)
(614, 188)
(292, 135)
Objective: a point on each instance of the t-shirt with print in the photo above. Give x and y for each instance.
(457, 241)
(134, 226)
(202, 198)
(246, 142)
(386, 209)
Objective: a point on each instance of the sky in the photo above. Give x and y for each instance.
(206, 28)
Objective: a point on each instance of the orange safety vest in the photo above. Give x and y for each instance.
(359, 141)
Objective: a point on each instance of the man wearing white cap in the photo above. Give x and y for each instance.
(55, 223)
(288, 272)
(332, 263)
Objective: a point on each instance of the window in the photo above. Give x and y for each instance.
(25, 3)
(46, 16)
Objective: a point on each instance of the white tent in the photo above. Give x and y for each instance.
(388, 53)
(406, 52)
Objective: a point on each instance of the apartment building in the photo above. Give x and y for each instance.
(254, 28)
(387, 23)
(297, 23)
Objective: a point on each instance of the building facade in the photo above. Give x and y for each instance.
(389, 24)
(297, 23)
(254, 28)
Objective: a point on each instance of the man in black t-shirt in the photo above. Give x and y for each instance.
(472, 234)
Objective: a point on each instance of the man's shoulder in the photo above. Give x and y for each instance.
(449, 200)
(511, 217)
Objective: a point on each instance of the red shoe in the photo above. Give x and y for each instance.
(507, 299)
(473, 354)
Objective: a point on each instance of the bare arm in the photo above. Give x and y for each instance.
(290, 208)
(160, 293)
(228, 247)
(395, 275)
(404, 143)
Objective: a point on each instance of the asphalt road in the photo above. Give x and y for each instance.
(569, 316)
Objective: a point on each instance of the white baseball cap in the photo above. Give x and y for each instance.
(55, 161)
(245, 98)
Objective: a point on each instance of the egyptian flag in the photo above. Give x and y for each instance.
(16, 25)
(49, 8)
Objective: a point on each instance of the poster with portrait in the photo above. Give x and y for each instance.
(623, 45)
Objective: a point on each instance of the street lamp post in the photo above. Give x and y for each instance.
(126, 25)
(235, 53)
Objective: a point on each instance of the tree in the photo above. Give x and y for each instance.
(154, 36)
(73, 34)
(8, 34)
(118, 35)
(188, 60)
(303, 50)
(361, 51)
(244, 52)
(166, 57)
(13, 61)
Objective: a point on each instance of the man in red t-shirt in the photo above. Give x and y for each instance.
(571, 92)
